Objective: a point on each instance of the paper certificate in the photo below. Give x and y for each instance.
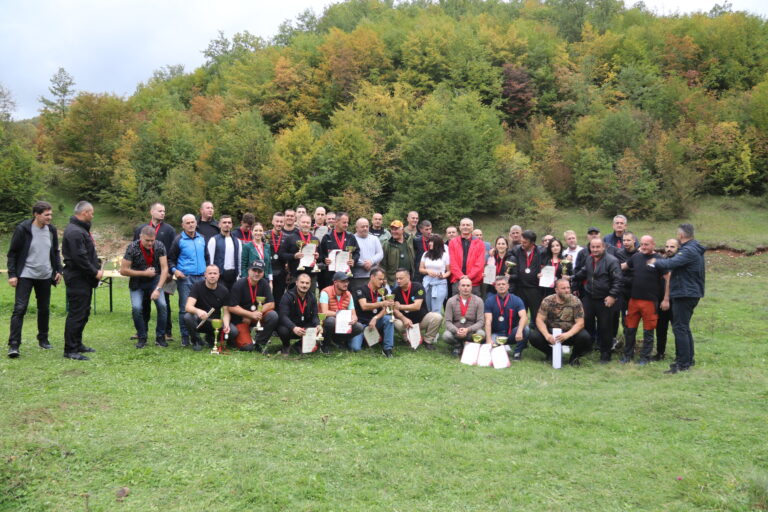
(489, 274)
(309, 341)
(308, 255)
(339, 261)
(547, 279)
(343, 322)
(499, 357)
(413, 335)
(471, 351)
(484, 357)
(371, 335)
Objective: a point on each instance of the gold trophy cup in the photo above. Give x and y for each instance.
(217, 323)
(314, 265)
(300, 245)
(350, 249)
(260, 302)
(322, 317)
(477, 338)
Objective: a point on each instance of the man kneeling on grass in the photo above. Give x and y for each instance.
(412, 309)
(505, 315)
(207, 300)
(562, 310)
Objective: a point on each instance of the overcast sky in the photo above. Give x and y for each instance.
(112, 45)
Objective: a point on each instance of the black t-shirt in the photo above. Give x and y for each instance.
(364, 293)
(646, 283)
(240, 295)
(417, 292)
(207, 298)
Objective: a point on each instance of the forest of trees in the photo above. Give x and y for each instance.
(451, 107)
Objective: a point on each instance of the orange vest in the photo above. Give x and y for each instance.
(335, 305)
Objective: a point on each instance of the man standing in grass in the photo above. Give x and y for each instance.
(671, 247)
(187, 259)
(82, 273)
(686, 288)
(146, 264)
(33, 263)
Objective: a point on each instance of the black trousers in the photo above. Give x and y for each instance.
(278, 286)
(595, 311)
(581, 343)
(532, 298)
(79, 304)
(146, 312)
(24, 289)
(662, 329)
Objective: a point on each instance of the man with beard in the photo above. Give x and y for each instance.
(297, 312)
(276, 238)
(398, 252)
(671, 247)
(339, 239)
(333, 299)
(245, 311)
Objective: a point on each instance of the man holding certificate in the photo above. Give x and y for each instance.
(464, 316)
(334, 246)
(505, 316)
(411, 310)
(561, 311)
(298, 314)
(300, 249)
(338, 306)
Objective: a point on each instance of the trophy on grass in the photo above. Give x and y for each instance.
(260, 301)
(216, 323)
(300, 245)
(314, 265)
(501, 340)
(322, 317)
(477, 338)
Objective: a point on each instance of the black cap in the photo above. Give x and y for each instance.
(257, 265)
(593, 229)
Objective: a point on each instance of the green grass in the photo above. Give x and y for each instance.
(188, 431)
(736, 223)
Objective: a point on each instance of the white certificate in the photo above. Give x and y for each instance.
(307, 255)
(343, 322)
(547, 279)
(309, 340)
(371, 335)
(499, 357)
(484, 357)
(489, 274)
(339, 261)
(413, 335)
(470, 353)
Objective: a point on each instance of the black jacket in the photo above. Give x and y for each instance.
(688, 270)
(603, 280)
(19, 249)
(290, 313)
(80, 260)
(519, 278)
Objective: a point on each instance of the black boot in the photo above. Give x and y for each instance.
(629, 344)
(647, 350)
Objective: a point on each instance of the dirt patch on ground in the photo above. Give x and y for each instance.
(34, 415)
(733, 253)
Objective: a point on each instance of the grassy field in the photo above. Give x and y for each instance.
(185, 431)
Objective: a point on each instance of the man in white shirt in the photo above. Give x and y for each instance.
(572, 245)
(371, 254)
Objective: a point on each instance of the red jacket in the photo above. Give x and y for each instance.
(475, 260)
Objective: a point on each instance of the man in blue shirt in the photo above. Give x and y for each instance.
(505, 315)
(187, 259)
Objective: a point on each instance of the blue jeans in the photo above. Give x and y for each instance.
(183, 288)
(137, 310)
(520, 345)
(385, 326)
(435, 295)
(682, 311)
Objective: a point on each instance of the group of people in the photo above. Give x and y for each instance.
(257, 283)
